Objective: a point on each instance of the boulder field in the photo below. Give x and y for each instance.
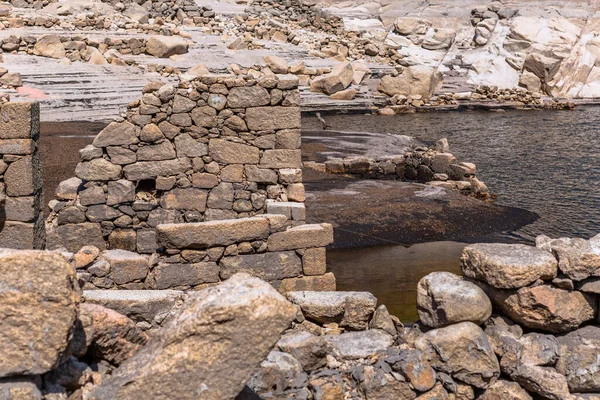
(520, 324)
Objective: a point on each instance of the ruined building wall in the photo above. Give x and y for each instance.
(20, 177)
(215, 148)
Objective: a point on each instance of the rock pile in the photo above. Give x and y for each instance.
(434, 165)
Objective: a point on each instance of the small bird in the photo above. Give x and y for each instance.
(325, 124)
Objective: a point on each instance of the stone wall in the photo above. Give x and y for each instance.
(215, 148)
(196, 255)
(20, 177)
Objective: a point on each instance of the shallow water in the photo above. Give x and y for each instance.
(547, 162)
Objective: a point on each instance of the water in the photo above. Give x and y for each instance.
(547, 162)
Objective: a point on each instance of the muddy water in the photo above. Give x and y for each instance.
(544, 162)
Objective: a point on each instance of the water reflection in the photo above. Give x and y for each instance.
(391, 273)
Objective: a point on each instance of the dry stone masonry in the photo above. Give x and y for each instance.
(21, 216)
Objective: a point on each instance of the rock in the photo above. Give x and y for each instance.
(363, 344)
(376, 384)
(98, 169)
(273, 118)
(267, 266)
(463, 351)
(38, 305)
(418, 80)
(347, 94)
(538, 349)
(20, 389)
(412, 366)
(543, 381)
(507, 266)
(85, 256)
(12, 79)
(545, 308)
(112, 336)
(228, 152)
(276, 64)
(126, 266)
(351, 310)
(166, 46)
(67, 189)
(310, 350)
(74, 237)
(275, 372)
(230, 327)
(19, 178)
(444, 299)
(383, 320)
(301, 237)
(578, 259)
(49, 46)
(116, 134)
(579, 352)
(252, 96)
(337, 80)
(501, 390)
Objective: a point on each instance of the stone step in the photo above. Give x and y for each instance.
(148, 308)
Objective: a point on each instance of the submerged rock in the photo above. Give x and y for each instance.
(211, 346)
(444, 298)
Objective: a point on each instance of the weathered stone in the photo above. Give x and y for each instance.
(178, 275)
(578, 359)
(120, 191)
(463, 351)
(97, 170)
(38, 305)
(19, 178)
(337, 80)
(351, 310)
(273, 118)
(276, 159)
(204, 116)
(276, 64)
(260, 175)
(111, 336)
(578, 259)
(150, 306)
(91, 196)
(116, 134)
(49, 46)
(204, 180)
(543, 381)
(321, 283)
(182, 104)
(251, 96)
(21, 209)
(279, 367)
(544, 307)
(152, 169)
(314, 261)
(507, 266)
(501, 390)
(126, 266)
(363, 344)
(228, 152)
(19, 120)
(221, 196)
(156, 152)
(16, 146)
(416, 80)
(301, 237)
(120, 155)
(122, 239)
(71, 215)
(189, 147)
(376, 384)
(213, 233)
(20, 235)
(85, 256)
(74, 237)
(154, 373)
(102, 212)
(538, 349)
(19, 389)
(412, 365)
(444, 299)
(310, 350)
(184, 199)
(266, 266)
(67, 189)
(166, 46)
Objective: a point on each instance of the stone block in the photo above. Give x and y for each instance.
(39, 304)
(301, 237)
(222, 196)
(290, 175)
(120, 191)
(227, 152)
(123, 239)
(121, 156)
(22, 209)
(178, 275)
(187, 146)
(148, 306)
(19, 120)
(204, 180)
(117, 134)
(67, 189)
(126, 266)
(19, 177)
(17, 146)
(273, 118)
(251, 96)
(357, 345)
(146, 241)
(18, 235)
(98, 169)
(185, 199)
(281, 159)
(288, 139)
(156, 152)
(20, 389)
(203, 235)
(322, 283)
(92, 196)
(152, 169)
(266, 266)
(260, 175)
(314, 261)
(74, 237)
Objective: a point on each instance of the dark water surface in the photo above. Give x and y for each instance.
(547, 162)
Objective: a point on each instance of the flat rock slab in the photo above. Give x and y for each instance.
(363, 344)
(507, 266)
(38, 308)
(212, 346)
(348, 309)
